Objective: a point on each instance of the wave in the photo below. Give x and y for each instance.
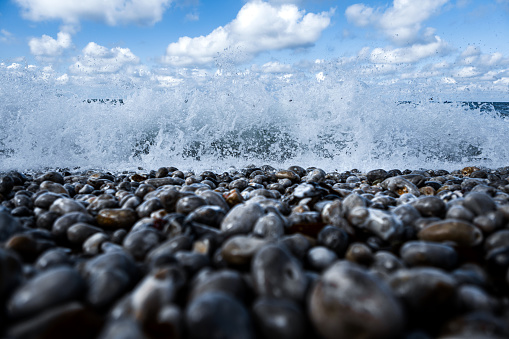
(335, 121)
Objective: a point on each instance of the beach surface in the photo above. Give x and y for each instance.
(255, 252)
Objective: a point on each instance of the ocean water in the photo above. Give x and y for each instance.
(334, 121)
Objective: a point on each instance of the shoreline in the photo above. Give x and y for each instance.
(379, 254)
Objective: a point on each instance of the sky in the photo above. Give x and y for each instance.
(461, 44)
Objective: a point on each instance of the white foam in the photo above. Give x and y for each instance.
(234, 119)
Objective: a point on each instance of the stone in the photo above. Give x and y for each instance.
(277, 274)
(348, 302)
(116, 218)
(217, 315)
(50, 288)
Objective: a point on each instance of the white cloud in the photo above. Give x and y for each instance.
(49, 47)
(410, 54)
(276, 67)
(98, 59)
(402, 22)
(63, 79)
(5, 36)
(258, 27)
(448, 80)
(472, 55)
(467, 72)
(192, 17)
(111, 12)
(14, 65)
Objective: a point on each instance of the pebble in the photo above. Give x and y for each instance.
(278, 274)
(279, 319)
(423, 253)
(116, 218)
(336, 312)
(242, 218)
(50, 288)
(217, 315)
(254, 252)
(458, 231)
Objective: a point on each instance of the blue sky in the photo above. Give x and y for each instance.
(461, 43)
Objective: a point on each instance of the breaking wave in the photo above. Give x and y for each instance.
(334, 121)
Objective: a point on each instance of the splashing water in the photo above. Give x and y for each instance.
(238, 118)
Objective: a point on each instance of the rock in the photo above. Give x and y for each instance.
(157, 289)
(380, 223)
(377, 175)
(64, 206)
(139, 243)
(8, 225)
(158, 182)
(334, 238)
(270, 226)
(51, 176)
(123, 328)
(400, 186)
(241, 219)
(430, 206)
(207, 215)
(63, 321)
(428, 293)
(63, 223)
(108, 277)
(459, 212)
(462, 233)
(423, 253)
(54, 257)
(50, 288)
(277, 274)
(239, 250)
(6, 184)
(479, 203)
(225, 281)
(360, 254)
(279, 319)
(217, 315)
(116, 218)
(92, 246)
(10, 273)
(79, 232)
(319, 258)
(348, 302)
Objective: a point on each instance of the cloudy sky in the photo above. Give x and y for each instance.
(460, 43)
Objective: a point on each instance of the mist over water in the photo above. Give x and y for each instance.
(236, 118)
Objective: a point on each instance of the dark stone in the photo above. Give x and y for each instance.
(280, 319)
(217, 315)
(50, 288)
(277, 274)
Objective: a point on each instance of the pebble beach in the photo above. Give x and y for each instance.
(255, 252)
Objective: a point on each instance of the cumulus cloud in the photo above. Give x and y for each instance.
(472, 55)
(402, 22)
(409, 54)
(47, 46)
(97, 59)
(111, 12)
(258, 27)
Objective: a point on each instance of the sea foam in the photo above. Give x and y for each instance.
(233, 118)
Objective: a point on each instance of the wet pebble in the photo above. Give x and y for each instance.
(217, 315)
(276, 273)
(336, 312)
(50, 288)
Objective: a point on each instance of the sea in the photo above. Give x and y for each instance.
(232, 118)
